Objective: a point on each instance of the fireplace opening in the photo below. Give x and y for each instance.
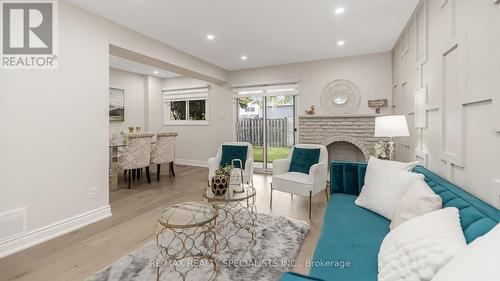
(345, 151)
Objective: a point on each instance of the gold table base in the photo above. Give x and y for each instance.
(184, 247)
(235, 215)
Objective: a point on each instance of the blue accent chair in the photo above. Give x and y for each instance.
(353, 234)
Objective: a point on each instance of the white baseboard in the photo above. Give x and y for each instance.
(48, 232)
(189, 162)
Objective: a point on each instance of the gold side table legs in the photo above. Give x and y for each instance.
(234, 218)
(237, 214)
(186, 237)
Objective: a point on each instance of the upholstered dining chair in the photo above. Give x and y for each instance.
(303, 172)
(229, 151)
(136, 154)
(164, 152)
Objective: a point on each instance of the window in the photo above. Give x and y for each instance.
(185, 106)
(178, 110)
(197, 109)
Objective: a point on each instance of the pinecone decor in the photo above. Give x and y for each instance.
(220, 183)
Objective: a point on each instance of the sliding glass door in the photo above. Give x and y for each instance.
(268, 123)
(280, 128)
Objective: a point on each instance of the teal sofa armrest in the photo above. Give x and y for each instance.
(292, 276)
(347, 177)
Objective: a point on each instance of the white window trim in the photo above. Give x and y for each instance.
(186, 94)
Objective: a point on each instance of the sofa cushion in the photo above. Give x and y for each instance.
(293, 182)
(478, 261)
(419, 199)
(232, 152)
(384, 188)
(420, 247)
(294, 177)
(303, 159)
(350, 234)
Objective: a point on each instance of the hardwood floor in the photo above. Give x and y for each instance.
(79, 254)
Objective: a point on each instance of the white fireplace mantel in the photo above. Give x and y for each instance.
(339, 116)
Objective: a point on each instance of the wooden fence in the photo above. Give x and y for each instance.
(252, 131)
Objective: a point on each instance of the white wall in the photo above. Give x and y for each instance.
(133, 85)
(194, 144)
(371, 73)
(54, 142)
(446, 78)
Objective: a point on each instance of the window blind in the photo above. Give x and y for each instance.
(288, 89)
(200, 93)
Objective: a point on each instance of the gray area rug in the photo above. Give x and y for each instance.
(278, 242)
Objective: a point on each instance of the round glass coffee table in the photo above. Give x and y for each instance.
(237, 214)
(186, 237)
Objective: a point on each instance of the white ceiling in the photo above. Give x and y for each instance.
(269, 32)
(139, 68)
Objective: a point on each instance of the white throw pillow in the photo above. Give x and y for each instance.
(419, 248)
(478, 261)
(383, 189)
(419, 199)
(375, 162)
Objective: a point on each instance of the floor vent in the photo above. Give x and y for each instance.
(12, 223)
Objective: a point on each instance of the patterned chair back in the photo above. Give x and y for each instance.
(137, 153)
(164, 149)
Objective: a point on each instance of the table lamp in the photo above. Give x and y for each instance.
(391, 126)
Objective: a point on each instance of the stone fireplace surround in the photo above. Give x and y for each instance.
(327, 129)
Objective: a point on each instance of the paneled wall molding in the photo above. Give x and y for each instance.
(404, 42)
(432, 106)
(497, 184)
(422, 157)
(450, 172)
(421, 22)
(452, 112)
(443, 3)
(421, 107)
(453, 82)
(496, 102)
(472, 93)
(476, 99)
(448, 47)
(450, 36)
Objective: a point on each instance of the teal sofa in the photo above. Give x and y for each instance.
(351, 236)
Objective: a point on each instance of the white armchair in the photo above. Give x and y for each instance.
(214, 162)
(300, 183)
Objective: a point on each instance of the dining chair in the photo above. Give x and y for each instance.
(164, 152)
(136, 155)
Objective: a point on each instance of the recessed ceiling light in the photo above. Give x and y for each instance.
(339, 11)
(156, 72)
(341, 43)
(244, 58)
(210, 36)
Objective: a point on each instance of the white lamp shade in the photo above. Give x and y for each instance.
(391, 126)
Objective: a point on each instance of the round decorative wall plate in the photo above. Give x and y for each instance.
(340, 97)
